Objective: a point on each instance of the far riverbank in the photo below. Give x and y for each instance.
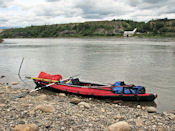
(116, 28)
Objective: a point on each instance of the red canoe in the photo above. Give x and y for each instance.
(92, 89)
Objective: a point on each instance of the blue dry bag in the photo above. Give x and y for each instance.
(121, 88)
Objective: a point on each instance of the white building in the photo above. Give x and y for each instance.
(129, 33)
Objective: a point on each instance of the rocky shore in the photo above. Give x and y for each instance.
(52, 111)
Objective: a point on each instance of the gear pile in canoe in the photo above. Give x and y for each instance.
(119, 90)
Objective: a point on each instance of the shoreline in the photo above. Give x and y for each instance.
(96, 36)
(101, 37)
(47, 110)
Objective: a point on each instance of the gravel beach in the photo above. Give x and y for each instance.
(52, 111)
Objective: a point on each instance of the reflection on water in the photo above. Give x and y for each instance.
(140, 61)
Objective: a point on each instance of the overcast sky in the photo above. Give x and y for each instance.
(17, 13)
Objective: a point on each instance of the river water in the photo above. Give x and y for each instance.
(147, 62)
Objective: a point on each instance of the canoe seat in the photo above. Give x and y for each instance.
(76, 81)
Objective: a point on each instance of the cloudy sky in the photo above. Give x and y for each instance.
(20, 13)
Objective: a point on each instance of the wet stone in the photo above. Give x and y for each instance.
(15, 83)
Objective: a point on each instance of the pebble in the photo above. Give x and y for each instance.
(90, 124)
(161, 129)
(119, 126)
(62, 128)
(139, 122)
(25, 105)
(138, 106)
(62, 94)
(84, 104)
(151, 109)
(2, 105)
(143, 108)
(118, 116)
(171, 116)
(14, 83)
(45, 108)
(117, 101)
(116, 105)
(42, 97)
(75, 100)
(102, 110)
(26, 127)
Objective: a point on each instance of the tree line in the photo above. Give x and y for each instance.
(161, 27)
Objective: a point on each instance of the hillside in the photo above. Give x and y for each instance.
(160, 27)
(1, 40)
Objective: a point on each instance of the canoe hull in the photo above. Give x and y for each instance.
(99, 92)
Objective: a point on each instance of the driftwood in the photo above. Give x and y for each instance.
(19, 73)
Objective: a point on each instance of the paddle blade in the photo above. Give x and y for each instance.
(21, 95)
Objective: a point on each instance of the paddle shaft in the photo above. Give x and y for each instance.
(26, 93)
(99, 88)
(42, 79)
